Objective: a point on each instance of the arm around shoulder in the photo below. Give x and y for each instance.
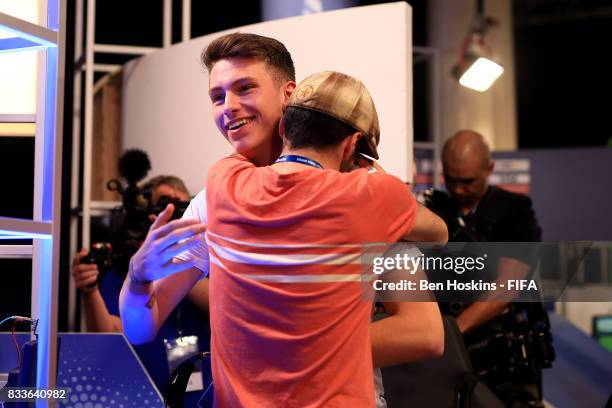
(428, 227)
(418, 224)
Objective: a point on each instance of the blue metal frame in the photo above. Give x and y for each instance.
(38, 37)
(35, 33)
(19, 44)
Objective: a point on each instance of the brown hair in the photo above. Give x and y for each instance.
(171, 181)
(241, 45)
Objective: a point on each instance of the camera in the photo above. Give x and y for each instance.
(100, 254)
(162, 203)
(130, 222)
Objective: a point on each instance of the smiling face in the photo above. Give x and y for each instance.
(247, 104)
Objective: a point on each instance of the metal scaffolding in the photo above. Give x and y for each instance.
(48, 38)
(83, 111)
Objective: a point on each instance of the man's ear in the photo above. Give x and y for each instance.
(490, 167)
(351, 145)
(287, 91)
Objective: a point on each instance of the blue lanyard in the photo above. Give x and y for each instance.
(298, 159)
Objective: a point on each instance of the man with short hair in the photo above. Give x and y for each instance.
(477, 212)
(251, 78)
(487, 213)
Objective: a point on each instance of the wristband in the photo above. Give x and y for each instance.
(140, 282)
(89, 289)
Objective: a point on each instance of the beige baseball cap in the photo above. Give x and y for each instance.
(344, 98)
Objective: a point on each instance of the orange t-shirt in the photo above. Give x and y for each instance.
(289, 325)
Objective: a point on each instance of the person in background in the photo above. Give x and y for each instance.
(475, 211)
(100, 298)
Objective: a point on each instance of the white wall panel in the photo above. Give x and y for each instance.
(167, 112)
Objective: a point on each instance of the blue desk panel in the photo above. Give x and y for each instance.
(100, 369)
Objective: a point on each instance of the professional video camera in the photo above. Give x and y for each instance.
(130, 222)
(518, 342)
(443, 205)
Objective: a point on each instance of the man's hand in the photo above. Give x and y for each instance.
(164, 241)
(97, 317)
(85, 275)
(153, 287)
(494, 303)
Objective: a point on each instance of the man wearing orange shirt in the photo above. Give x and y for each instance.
(289, 321)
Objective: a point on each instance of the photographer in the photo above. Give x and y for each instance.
(100, 288)
(86, 275)
(476, 212)
(97, 316)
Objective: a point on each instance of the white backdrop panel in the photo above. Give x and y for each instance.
(167, 112)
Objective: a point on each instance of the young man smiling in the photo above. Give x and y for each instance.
(251, 79)
(248, 96)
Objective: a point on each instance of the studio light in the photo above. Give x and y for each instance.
(477, 68)
(481, 74)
